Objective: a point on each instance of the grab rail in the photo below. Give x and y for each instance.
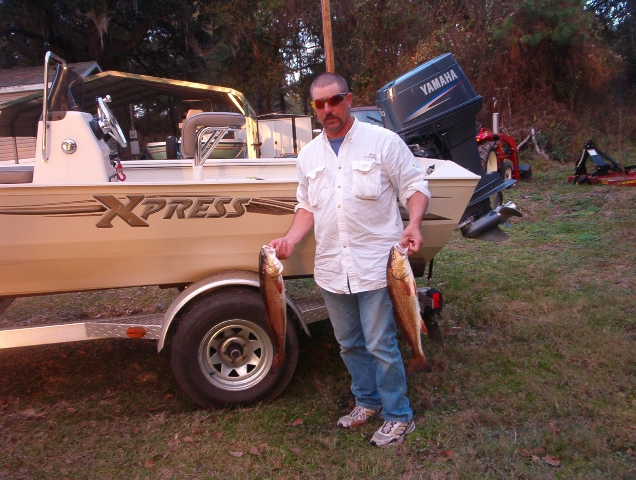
(45, 109)
(216, 124)
(206, 119)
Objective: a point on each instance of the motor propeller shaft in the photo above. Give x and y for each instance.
(493, 219)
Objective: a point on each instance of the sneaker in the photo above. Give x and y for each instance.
(358, 416)
(392, 433)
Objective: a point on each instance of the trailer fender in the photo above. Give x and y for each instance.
(209, 284)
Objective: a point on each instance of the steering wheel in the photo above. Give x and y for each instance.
(107, 121)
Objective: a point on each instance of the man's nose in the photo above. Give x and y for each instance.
(328, 108)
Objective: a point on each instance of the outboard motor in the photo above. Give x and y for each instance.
(433, 108)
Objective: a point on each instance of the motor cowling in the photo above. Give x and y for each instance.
(433, 108)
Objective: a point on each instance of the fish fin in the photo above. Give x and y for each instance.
(423, 328)
(418, 364)
(409, 289)
(280, 285)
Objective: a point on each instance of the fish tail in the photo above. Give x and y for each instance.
(418, 364)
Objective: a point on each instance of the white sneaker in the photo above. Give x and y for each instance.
(358, 416)
(392, 433)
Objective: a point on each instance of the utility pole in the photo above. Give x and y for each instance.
(326, 34)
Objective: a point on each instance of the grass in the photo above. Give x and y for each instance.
(537, 378)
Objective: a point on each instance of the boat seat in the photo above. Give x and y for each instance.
(189, 113)
(16, 174)
(206, 119)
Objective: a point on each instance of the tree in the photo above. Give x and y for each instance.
(617, 20)
(534, 56)
(154, 36)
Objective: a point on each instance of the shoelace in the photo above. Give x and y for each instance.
(358, 412)
(361, 412)
(389, 426)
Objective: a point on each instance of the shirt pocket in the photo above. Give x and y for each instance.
(366, 177)
(317, 186)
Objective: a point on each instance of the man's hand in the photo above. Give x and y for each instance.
(302, 224)
(283, 246)
(412, 235)
(412, 238)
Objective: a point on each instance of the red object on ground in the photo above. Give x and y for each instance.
(607, 171)
(505, 149)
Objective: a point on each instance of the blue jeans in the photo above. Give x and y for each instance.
(364, 327)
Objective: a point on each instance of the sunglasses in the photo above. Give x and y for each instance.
(334, 100)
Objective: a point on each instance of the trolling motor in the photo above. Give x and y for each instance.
(433, 108)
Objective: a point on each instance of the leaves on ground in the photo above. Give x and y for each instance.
(444, 456)
(254, 451)
(552, 461)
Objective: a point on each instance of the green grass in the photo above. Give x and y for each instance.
(537, 378)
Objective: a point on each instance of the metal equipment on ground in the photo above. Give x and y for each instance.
(607, 171)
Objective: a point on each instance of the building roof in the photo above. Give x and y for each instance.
(32, 78)
(21, 81)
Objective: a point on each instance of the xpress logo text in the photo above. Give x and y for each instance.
(135, 210)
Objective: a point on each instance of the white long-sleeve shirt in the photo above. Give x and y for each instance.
(353, 199)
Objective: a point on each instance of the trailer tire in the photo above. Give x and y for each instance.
(235, 319)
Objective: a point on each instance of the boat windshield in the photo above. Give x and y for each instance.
(67, 90)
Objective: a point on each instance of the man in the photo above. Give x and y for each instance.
(348, 179)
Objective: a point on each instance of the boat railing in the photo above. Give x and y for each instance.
(45, 107)
(214, 125)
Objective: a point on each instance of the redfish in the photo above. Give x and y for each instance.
(273, 292)
(406, 308)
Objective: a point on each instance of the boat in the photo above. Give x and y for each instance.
(79, 219)
(74, 225)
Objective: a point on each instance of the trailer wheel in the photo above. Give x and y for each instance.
(222, 351)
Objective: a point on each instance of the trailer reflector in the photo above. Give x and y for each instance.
(135, 332)
(436, 296)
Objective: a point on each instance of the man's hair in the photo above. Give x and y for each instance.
(329, 78)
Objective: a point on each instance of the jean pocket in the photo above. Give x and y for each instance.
(316, 186)
(366, 176)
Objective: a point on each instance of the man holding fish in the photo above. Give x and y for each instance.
(349, 176)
